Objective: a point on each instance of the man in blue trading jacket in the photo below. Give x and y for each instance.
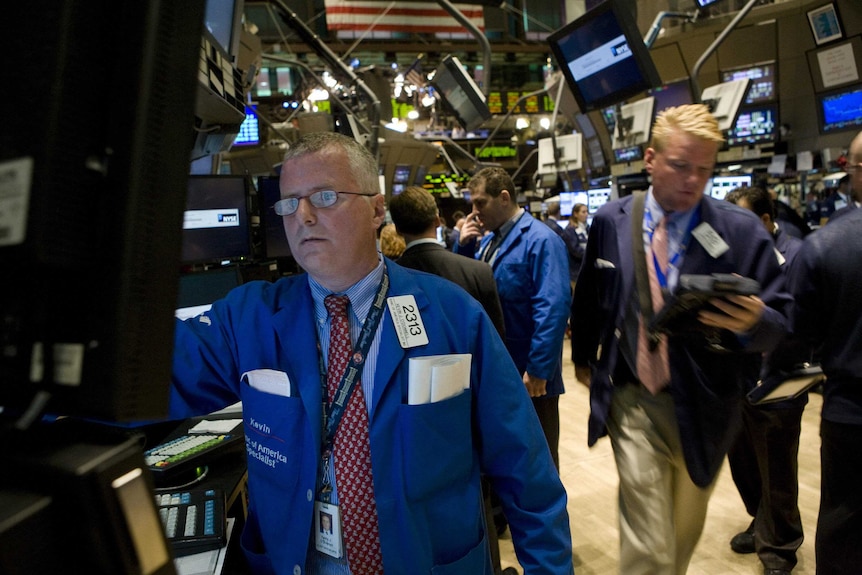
(266, 344)
(531, 269)
(671, 404)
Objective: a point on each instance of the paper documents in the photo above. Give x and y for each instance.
(437, 377)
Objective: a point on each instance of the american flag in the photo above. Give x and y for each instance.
(414, 74)
(411, 17)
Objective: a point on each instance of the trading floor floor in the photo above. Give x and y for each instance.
(590, 477)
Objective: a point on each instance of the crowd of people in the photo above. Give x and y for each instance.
(411, 397)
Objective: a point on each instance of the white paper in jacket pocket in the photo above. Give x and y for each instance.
(437, 377)
(268, 381)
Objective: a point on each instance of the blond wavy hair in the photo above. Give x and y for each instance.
(693, 119)
(392, 245)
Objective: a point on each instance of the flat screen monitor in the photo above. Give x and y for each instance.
(603, 56)
(671, 95)
(249, 130)
(596, 198)
(628, 154)
(701, 4)
(568, 201)
(634, 124)
(223, 19)
(762, 85)
(274, 239)
(198, 290)
(840, 110)
(216, 221)
(460, 93)
(724, 100)
(720, 186)
(754, 125)
(91, 245)
(566, 156)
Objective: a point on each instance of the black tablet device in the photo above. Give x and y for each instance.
(693, 294)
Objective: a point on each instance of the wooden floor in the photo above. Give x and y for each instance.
(590, 477)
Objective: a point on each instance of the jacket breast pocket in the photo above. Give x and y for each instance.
(436, 445)
(515, 282)
(274, 435)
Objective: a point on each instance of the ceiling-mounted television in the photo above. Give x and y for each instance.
(633, 125)
(566, 156)
(603, 56)
(671, 95)
(724, 100)
(840, 110)
(754, 125)
(460, 93)
(762, 85)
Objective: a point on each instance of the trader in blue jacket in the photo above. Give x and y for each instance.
(531, 268)
(266, 345)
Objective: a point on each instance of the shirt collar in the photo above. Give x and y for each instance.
(421, 241)
(509, 224)
(361, 293)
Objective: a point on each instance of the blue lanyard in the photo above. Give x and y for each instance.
(332, 412)
(674, 258)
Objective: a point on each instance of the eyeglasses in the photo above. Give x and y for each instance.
(319, 199)
(853, 168)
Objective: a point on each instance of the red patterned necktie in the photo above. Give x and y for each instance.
(653, 365)
(352, 452)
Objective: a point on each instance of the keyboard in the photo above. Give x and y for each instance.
(187, 452)
(193, 519)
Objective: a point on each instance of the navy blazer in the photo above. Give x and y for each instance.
(706, 386)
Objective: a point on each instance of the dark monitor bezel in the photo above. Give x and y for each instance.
(275, 245)
(646, 76)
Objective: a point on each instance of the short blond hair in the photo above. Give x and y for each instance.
(693, 119)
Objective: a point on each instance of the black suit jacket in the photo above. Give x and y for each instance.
(474, 276)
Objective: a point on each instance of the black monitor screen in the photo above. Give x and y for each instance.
(198, 290)
(761, 88)
(603, 56)
(841, 110)
(216, 225)
(671, 95)
(461, 94)
(275, 240)
(754, 126)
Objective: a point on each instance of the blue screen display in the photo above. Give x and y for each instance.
(842, 111)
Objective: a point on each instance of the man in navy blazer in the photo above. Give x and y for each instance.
(669, 441)
(826, 283)
(265, 345)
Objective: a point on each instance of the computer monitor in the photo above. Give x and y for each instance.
(840, 110)
(460, 93)
(249, 130)
(568, 201)
(724, 100)
(634, 124)
(603, 56)
(762, 85)
(628, 154)
(94, 248)
(754, 125)
(671, 95)
(720, 186)
(198, 290)
(566, 156)
(90, 255)
(275, 244)
(216, 221)
(596, 198)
